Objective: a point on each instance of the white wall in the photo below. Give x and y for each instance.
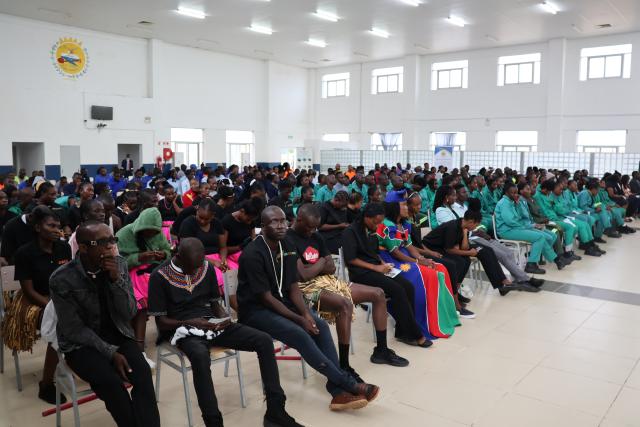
(556, 108)
(172, 85)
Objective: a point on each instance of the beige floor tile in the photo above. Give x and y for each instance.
(514, 347)
(628, 311)
(634, 379)
(521, 411)
(605, 342)
(626, 408)
(613, 325)
(539, 328)
(569, 390)
(589, 363)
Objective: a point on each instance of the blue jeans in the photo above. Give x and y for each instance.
(317, 350)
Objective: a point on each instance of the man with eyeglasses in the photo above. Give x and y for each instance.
(94, 301)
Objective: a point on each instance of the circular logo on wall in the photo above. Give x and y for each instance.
(69, 57)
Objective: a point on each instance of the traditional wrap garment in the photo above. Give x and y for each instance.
(312, 289)
(21, 323)
(435, 308)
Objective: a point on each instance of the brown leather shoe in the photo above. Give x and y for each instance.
(345, 401)
(369, 391)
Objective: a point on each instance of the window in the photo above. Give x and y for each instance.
(457, 139)
(240, 147)
(386, 141)
(449, 75)
(605, 62)
(519, 69)
(335, 85)
(336, 137)
(387, 80)
(601, 141)
(187, 145)
(517, 140)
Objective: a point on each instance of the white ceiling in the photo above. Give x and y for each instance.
(420, 30)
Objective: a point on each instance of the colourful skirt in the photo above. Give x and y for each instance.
(166, 229)
(232, 263)
(140, 282)
(435, 308)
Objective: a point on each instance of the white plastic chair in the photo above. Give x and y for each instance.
(8, 284)
(65, 383)
(518, 246)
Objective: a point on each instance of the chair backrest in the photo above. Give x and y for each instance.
(343, 273)
(493, 222)
(9, 283)
(230, 286)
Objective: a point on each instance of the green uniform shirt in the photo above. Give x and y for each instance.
(509, 216)
(324, 194)
(546, 205)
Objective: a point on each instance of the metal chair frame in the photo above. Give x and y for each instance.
(8, 284)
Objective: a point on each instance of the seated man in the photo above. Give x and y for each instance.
(333, 297)
(269, 299)
(184, 292)
(333, 220)
(94, 301)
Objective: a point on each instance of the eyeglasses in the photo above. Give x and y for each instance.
(102, 242)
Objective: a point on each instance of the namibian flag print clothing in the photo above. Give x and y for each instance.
(435, 309)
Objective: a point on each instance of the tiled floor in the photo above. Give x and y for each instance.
(541, 360)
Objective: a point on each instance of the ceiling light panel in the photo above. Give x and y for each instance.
(326, 15)
(192, 13)
(549, 7)
(412, 2)
(261, 29)
(456, 20)
(316, 42)
(379, 32)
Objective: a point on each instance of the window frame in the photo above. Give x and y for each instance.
(229, 142)
(331, 82)
(458, 146)
(380, 147)
(385, 74)
(518, 61)
(588, 55)
(598, 148)
(520, 148)
(439, 68)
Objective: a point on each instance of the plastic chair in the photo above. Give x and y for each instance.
(65, 383)
(518, 246)
(165, 352)
(340, 274)
(8, 284)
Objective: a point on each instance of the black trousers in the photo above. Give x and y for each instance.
(401, 294)
(491, 266)
(140, 409)
(458, 267)
(238, 337)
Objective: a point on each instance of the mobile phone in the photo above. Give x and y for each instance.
(216, 320)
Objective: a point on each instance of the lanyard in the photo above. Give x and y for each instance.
(278, 280)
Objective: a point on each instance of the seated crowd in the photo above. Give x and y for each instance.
(96, 257)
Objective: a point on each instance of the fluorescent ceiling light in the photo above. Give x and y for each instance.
(317, 42)
(379, 32)
(327, 16)
(192, 13)
(456, 20)
(261, 29)
(412, 2)
(549, 7)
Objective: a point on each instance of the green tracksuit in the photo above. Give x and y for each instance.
(617, 213)
(546, 203)
(513, 225)
(572, 199)
(562, 207)
(588, 203)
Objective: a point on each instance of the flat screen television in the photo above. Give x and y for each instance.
(101, 113)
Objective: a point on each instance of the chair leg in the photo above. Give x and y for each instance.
(243, 401)
(373, 329)
(226, 368)
(351, 349)
(58, 411)
(304, 369)
(16, 361)
(74, 397)
(158, 366)
(1, 355)
(187, 393)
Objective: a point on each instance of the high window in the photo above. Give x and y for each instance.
(387, 80)
(450, 75)
(386, 141)
(601, 141)
(519, 69)
(334, 85)
(605, 62)
(240, 147)
(456, 139)
(517, 140)
(336, 137)
(188, 146)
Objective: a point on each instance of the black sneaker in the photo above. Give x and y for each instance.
(349, 370)
(505, 289)
(47, 393)
(279, 418)
(592, 251)
(527, 287)
(542, 262)
(536, 282)
(599, 240)
(467, 314)
(463, 299)
(561, 263)
(388, 357)
(611, 232)
(532, 268)
(599, 249)
(575, 257)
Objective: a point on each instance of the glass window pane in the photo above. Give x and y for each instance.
(443, 79)
(382, 84)
(511, 74)
(455, 78)
(613, 66)
(596, 68)
(187, 135)
(340, 91)
(526, 73)
(392, 83)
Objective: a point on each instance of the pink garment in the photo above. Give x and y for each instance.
(232, 263)
(166, 229)
(140, 283)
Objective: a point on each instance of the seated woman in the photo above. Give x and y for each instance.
(360, 246)
(443, 206)
(34, 263)
(306, 197)
(170, 207)
(434, 305)
(302, 183)
(144, 247)
(238, 230)
(354, 206)
(205, 227)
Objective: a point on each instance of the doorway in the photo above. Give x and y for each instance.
(69, 160)
(28, 155)
(133, 150)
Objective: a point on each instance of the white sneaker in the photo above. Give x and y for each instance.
(466, 291)
(151, 363)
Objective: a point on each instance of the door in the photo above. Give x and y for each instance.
(69, 160)
(28, 155)
(133, 150)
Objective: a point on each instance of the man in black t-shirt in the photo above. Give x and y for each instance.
(282, 199)
(333, 220)
(269, 299)
(184, 292)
